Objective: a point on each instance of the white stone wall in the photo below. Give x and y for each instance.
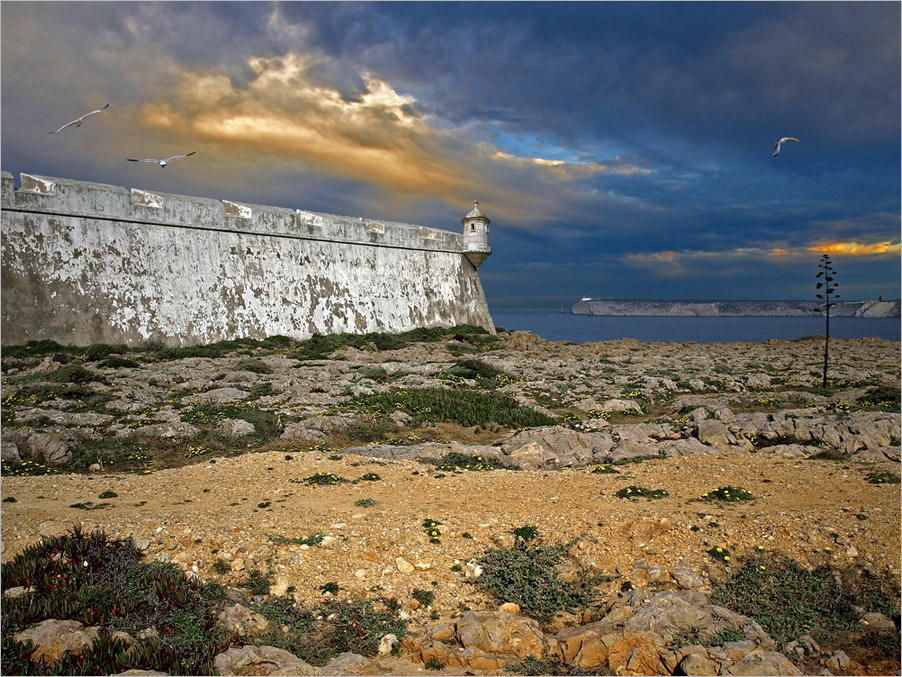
(87, 263)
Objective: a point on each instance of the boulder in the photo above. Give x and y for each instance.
(260, 660)
(220, 395)
(637, 654)
(762, 662)
(237, 427)
(243, 621)
(498, 632)
(556, 446)
(54, 638)
(350, 663)
(696, 664)
(716, 434)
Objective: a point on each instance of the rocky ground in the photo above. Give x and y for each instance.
(209, 462)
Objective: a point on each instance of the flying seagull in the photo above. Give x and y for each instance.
(162, 163)
(781, 142)
(78, 122)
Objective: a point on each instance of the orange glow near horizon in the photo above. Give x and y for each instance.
(856, 248)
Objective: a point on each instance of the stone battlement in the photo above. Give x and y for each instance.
(90, 263)
(66, 197)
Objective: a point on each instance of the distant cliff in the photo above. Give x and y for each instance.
(734, 308)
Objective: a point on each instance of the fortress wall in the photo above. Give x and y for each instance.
(87, 263)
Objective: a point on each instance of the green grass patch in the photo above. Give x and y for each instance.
(882, 397)
(25, 469)
(267, 423)
(464, 407)
(321, 347)
(789, 600)
(36, 349)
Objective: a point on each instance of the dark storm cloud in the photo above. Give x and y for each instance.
(623, 149)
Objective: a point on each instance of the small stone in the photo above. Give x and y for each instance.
(386, 644)
(852, 551)
(404, 566)
(510, 608)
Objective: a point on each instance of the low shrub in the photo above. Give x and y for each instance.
(882, 477)
(322, 479)
(317, 635)
(729, 494)
(455, 461)
(314, 539)
(526, 575)
(640, 492)
(788, 600)
(101, 581)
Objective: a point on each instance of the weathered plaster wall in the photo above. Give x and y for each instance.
(87, 263)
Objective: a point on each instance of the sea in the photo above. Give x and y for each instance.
(562, 325)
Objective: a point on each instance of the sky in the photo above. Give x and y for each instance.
(621, 150)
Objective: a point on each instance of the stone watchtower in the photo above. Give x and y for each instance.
(476, 236)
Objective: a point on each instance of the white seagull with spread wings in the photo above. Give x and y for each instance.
(781, 142)
(78, 122)
(162, 163)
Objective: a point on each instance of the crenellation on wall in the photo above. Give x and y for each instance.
(7, 188)
(145, 198)
(93, 263)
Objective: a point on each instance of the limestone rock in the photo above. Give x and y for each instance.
(237, 427)
(404, 566)
(54, 638)
(350, 663)
(697, 664)
(620, 405)
(838, 660)
(877, 621)
(244, 621)
(716, 434)
(386, 644)
(637, 654)
(496, 632)
(260, 660)
(761, 662)
(220, 395)
(9, 451)
(50, 528)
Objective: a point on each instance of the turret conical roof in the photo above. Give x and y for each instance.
(476, 213)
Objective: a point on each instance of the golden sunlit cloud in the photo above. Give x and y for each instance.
(375, 138)
(856, 248)
(673, 263)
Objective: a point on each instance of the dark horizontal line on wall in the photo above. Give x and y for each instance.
(285, 236)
